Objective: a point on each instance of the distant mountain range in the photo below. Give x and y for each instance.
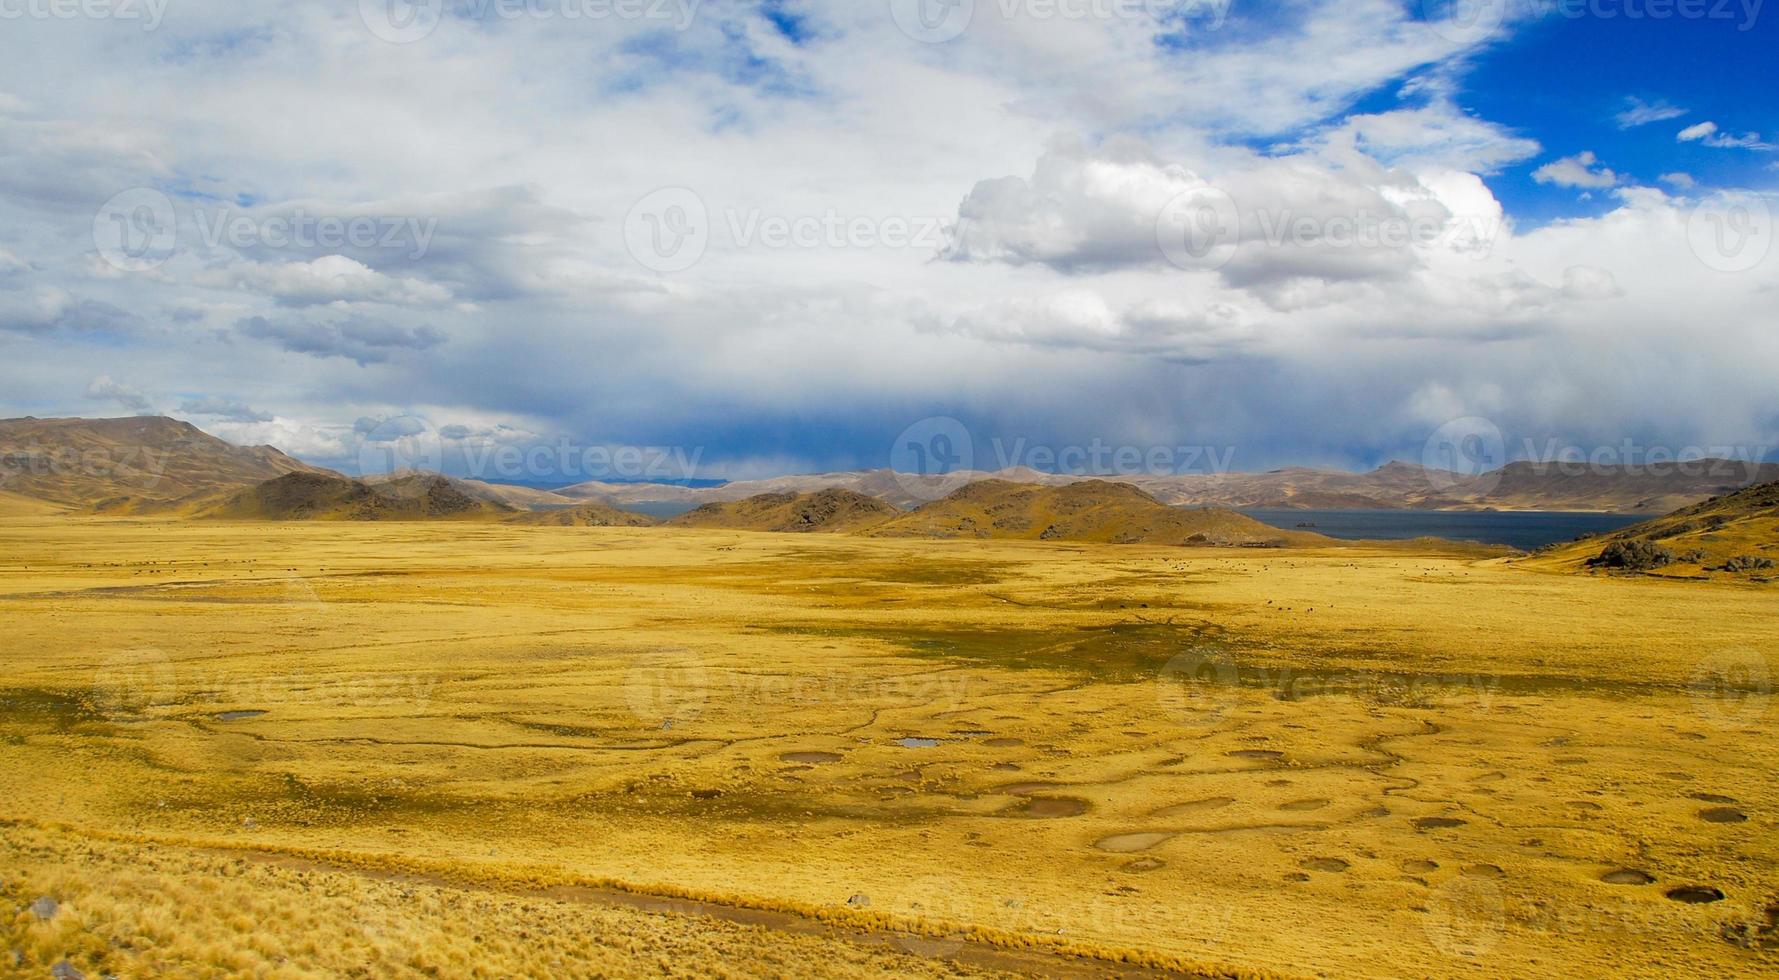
(150, 465)
(1393, 486)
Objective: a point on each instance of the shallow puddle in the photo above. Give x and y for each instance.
(915, 742)
(238, 715)
(1126, 843)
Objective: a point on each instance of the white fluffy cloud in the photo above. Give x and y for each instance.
(1576, 171)
(330, 279)
(1640, 113)
(1708, 134)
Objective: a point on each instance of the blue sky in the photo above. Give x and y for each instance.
(779, 236)
(1564, 81)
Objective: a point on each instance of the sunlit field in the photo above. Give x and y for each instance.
(410, 749)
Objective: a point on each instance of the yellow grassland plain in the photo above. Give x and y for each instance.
(413, 749)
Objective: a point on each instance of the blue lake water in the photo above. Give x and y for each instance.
(1519, 529)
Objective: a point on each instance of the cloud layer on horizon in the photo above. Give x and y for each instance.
(977, 229)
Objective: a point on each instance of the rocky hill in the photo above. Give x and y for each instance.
(824, 510)
(129, 465)
(1733, 535)
(1091, 510)
(327, 497)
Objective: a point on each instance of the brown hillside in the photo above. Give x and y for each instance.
(325, 497)
(1092, 510)
(1734, 535)
(129, 464)
(827, 510)
(584, 515)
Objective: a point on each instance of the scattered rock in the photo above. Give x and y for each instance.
(66, 971)
(45, 908)
(858, 901)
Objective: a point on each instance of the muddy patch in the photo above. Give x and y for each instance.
(1265, 755)
(1048, 807)
(1027, 789)
(1327, 864)
(1438, 823)
(1196, 806)
(1145, 864)
(810, 758)
(1299, 806)
(1695, 894)
(1722, 814)
(1627, 876)
(1419, 867)
(1128, 843)
(1484, 871)
(240, 715)
(1712, 798)
(1003, 743)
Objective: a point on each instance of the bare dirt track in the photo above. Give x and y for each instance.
(1351, 761)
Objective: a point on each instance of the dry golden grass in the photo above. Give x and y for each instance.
(1347, 760)
(148, 910)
